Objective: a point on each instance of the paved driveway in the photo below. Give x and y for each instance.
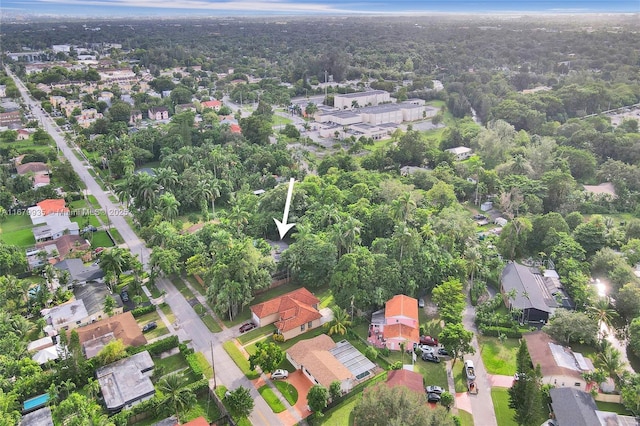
(302, 385)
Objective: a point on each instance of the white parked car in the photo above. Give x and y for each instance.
(279, 374)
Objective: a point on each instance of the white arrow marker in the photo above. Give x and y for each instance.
(283, 227)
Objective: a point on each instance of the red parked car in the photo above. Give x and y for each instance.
(428, 340)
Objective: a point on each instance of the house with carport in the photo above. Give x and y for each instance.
(324, 361)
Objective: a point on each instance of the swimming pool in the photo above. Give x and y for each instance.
(35, 402)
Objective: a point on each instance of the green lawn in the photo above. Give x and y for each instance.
(466, 418)
(204, 365)
(240, 360)
(166, 310)
(245, 314)
(211, 323)
(181, 287)
(434, 374)
(459, 377)
(116, 236)
(280, 121)
(171, 363)
(504, 414)
(256, 333)
(287, 390)
(341, 414)
(161, 330)
(613, 407)
(204, 407)
(272, 399)
(499, 357)
(196, 284)
(16, 230)
(100, 239)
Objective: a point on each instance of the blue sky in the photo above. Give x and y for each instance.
(304, 7)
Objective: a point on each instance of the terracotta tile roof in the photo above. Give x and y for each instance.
(401, 305)
(44, 179)
(296, 315)
(211, 104)
(540, 352)
(394, 331)
(409, 379)
(272, 306)
(35, 167)
(200, 421)
(66, 244)
(314, 356)
(52, 206)
(123, 327)
(235, 128)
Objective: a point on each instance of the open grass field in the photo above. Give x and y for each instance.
(171, 363)
(280, 121)
(466, 418)
(613, 407)
(272, 399)
(16, 230)
(287, 390)
(498, 357)
(100, 239)
(434, 374)
(256, 333)
(340, 415)
(504, 414)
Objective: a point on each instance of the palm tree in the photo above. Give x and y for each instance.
(610, 360)
(340, 321)
(146, 189)
(92, 388)
(166, 177)
(238, 217)
(68, 386)
(350, 233)
(215, 187)
(602, 311)
(473, 258)
(168, 206)
(178, 398)
(112, 260)
(403, 207)
(201, 193)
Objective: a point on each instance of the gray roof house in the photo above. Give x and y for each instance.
(573, 407)
(531, 293)
(79, 272)
(126, 382)
(41, 417)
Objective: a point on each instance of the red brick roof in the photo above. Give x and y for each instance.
(295, 308)
(403, 306)
(200, 421)
(394, 331)
(235, 128)
(409, 379)
(66, 244)
(211, 104)
(123, 326)
(50, 206)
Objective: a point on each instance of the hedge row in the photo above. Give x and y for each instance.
(496, 331)
(194, 365)
(138, 312)
(157, 347)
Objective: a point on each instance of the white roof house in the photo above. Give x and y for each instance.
(126, 382)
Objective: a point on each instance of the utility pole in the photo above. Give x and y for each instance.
(325, 85)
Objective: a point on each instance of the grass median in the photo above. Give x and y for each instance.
(240, 360)
(272, 399)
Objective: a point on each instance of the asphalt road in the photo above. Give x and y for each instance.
(189, 325)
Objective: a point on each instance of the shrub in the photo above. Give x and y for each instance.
(277, 337)
(371, 353)
(157, 347)
(138, 312)
(496, 331)
(385, 352)
(194, 365)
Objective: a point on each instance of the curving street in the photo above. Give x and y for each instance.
(188, 324)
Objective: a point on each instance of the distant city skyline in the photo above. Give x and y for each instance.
(150, 8)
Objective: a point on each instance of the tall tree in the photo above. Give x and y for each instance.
(268, 356)
(178, 399)
(457, 340)
(340, 321)
(317, 399)
(525, 396)
(240, 402)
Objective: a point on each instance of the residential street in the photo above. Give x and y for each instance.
(189, 325)
(481, 403)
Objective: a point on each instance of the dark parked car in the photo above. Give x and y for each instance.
(427, 356)
(247, 327)
(149, 326)
(434, 389)
(433, 397)
(428, 340)
(124, 295)
(443, 351)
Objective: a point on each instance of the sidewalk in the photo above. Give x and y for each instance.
(203, 301)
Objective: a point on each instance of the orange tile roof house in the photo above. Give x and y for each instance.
(95, 336)
(409, 379)
(293, 313)
(215, 105)
(51, 206)
(396, 323)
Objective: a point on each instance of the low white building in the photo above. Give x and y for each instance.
(361, 99)
(460, 152)
(127, 382)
